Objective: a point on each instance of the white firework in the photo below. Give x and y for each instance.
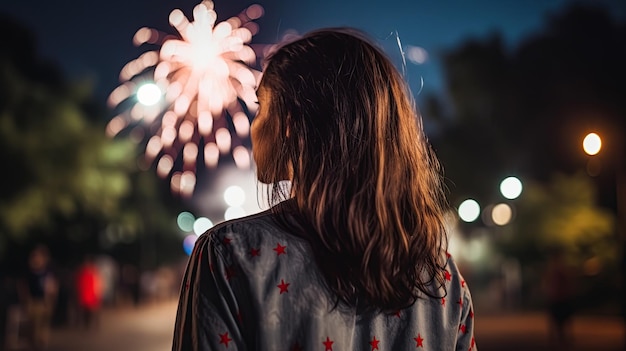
(200, 82)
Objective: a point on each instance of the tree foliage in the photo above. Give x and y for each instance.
(524, 111)
(562, 213)
(63, 179)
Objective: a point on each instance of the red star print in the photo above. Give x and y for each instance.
(329, 344)
(283, 286)
(471, 314)
(443, 301)
(224, 339)
(296, 347)
(463, 328)
(460, 302)
(462, 283)
(397, 314)
(418, 341)
(374, 343)
(280, 249)
(473, 343)
(448, 255)
(448, 275)
(226, 240)
(255, 252)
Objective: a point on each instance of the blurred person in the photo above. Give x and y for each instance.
(89, 291)
(108, 268)
(351, 256)
(559, 292)
(39, 293)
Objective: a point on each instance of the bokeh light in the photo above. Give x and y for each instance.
(234, 212)
(234, 196)
(592, 144)
(188, 243)
(185, 221)
(501, 214)
(201, 225)
(416, 54)
(149, 94)
(511, 188)
(469, 210)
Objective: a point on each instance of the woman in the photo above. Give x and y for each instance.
(353, 255)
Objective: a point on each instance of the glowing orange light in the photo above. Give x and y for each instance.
(592, 144)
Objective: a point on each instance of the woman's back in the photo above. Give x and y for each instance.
(252, 285)
(363, 229)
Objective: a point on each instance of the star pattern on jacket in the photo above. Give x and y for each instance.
(280, 249)
(283, 286)
(419, 341)
(328, 344)
(229, 271)
(463, 328)
(374, 343)
(224, 339)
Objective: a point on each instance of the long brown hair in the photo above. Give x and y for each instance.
(364, 181)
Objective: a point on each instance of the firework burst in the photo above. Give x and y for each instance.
(202, 85)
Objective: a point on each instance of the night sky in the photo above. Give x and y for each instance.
(94, 38)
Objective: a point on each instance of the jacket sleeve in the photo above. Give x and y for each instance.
(465, 335)
(207, 309)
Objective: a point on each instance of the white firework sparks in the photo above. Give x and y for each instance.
(200, 78)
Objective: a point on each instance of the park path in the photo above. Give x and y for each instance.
(149, 328)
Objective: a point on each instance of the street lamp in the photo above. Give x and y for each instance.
(592, 143)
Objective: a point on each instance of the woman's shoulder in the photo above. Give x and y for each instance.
(247, 235)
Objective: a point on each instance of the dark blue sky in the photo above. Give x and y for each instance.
(93, 38)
